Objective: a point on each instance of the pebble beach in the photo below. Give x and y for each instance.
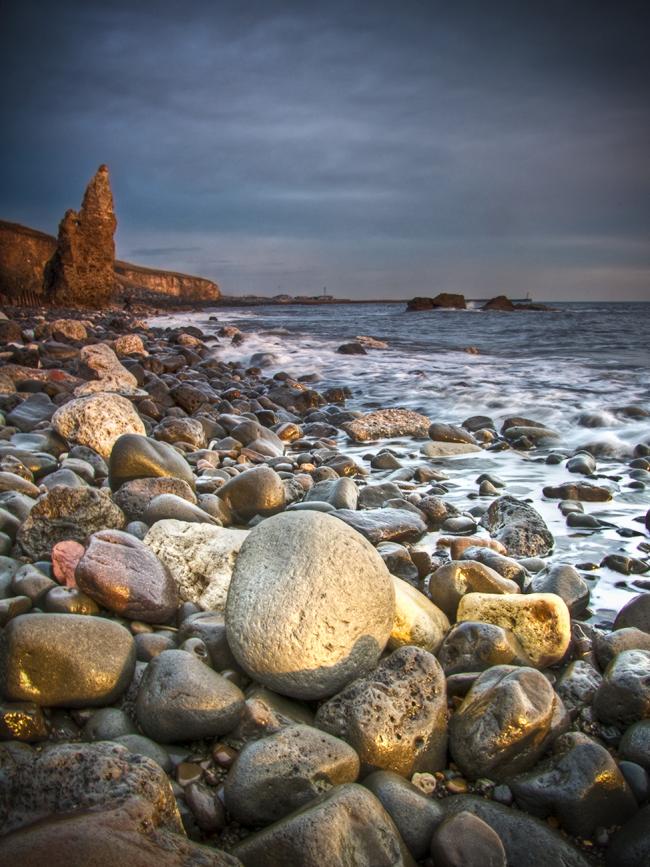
(253, 615)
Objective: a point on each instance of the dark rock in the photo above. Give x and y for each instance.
(31, 412)
(630, 846)
(68, 600)
(519, 527)
(395, 717)
(210, 628)
(567, 583)
(142, 746)
(635, 613)
(610, 644)
(107, 724)
(139, 457)
(637, 779)
(635, 744)
(67, 513)
(581, 785)
(258, 491)
(374, 496)
(180, 698)
(352, 348)
(415, 815)
(583, 463)
(446, 300)
(124, 576)
(273, 776)
(449, 433)
(624, 696)
(528, 842)
(578, 685)
(66, 660)
(583, 491)
(347, 819)
(503, 725)
(465, 840)
(384, 525)
(398, 560)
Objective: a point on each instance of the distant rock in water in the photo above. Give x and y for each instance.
(82, 271)
(445, 300)
(501, 302)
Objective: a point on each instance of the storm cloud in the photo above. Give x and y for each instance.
(379, 149)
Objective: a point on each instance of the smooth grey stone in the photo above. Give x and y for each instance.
(583, 463)
(624, 695)
(181, 699)
(107, 724)
(340, 493)
(374, 496)
(385, 525)
(13, 606)
(630, 845)
(505, 566)
(610, 644)
(210, 628)
(415, 815)
(528, 842)
(312, 506)
(143, 746)
(635, 744)
(68, 600)
(637, 779)
(68, 478)
(30, 581)
(18, 504)
(636, 613)
(465, 840)
(347, 819)
(398, 561)
(150, 644)
(565, 581)
(273, 776)
(133, 497)
(169, 506)
(31, 412)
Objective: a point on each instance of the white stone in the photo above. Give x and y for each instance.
(311, 605)
(447, 450)
(200, 557)
(97, 421)
(540, 621)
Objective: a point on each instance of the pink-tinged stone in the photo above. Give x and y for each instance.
(65, 556)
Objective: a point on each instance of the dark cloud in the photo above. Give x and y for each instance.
(379, 148)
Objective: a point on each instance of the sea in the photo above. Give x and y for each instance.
(583, 369)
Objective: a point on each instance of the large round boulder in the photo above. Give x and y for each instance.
(310, 605)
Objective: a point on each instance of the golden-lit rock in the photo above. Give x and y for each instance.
(310, 604)
(448, 584)
(417, 620)
(540, 621)
(396, 716)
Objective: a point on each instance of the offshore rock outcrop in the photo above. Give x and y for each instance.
(82, 271)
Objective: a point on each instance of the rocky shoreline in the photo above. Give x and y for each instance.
(222, 641)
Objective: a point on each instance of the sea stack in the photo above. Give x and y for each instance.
(82, 270)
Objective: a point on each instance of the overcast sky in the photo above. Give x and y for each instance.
(381, 149)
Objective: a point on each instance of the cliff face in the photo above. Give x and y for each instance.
(79, 268)
(135, 279)
(24, 253)
(82, 271)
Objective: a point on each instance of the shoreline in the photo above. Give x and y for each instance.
(197, 425)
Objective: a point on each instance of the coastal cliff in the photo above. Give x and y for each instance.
(79, 267)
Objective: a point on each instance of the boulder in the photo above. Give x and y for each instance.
(182, 699)
(504, 723)
(396, 716)
(310, 605)
(200, 558)
(68, 660)
(125, 576)
(345, 826)
(97, 421)
(104, 371)
(280, 773)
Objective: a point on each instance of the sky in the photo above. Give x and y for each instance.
(379, 149)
